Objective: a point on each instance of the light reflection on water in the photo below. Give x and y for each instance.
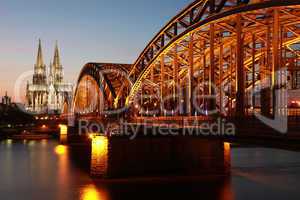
(60, 149)
(44, 170)
(90, 192)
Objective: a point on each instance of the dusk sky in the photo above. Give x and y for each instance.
(87, 31)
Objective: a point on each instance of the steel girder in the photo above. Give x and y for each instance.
(222, 51)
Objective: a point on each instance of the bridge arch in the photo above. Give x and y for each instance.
(231, 44)
(97, 86)
(225, 49)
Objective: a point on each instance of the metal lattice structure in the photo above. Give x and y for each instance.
(97, 86)
(239, 51)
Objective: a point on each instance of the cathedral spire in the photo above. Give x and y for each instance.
(39, 60)
(56, 61)
(51, 69)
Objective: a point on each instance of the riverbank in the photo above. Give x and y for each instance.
(30, 137)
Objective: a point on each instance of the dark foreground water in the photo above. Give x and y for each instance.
(32, 170)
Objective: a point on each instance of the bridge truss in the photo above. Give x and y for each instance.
(224, 55)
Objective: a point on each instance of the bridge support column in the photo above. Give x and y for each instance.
(190, 109)
(99, 156)
(231, 89)
(176, 83)
(240, 74)
(212, 100)
(221, 78)
(162, 84)
(265, 79)
(275, 66)
(253, 69)
(63, 134)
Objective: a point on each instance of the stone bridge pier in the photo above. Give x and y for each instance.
(117, 157)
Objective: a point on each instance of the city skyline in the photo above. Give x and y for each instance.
(82, 38)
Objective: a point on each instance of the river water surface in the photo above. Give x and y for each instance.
(44, 170)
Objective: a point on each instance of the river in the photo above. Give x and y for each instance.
(44, 170)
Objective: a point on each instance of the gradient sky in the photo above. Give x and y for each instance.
(89, 30)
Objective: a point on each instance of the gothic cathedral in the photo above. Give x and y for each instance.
(47, 93)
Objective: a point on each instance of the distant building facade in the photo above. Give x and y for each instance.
(48, 91)
(6, 100)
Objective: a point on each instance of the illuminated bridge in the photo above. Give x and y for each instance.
(216, 58)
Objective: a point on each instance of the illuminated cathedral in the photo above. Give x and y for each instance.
(47, 93)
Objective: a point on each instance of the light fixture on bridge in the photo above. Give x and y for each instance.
(63, 137)
(63, 129)
(91, 136)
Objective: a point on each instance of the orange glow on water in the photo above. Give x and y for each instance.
(227, 147)
(90, 192)
(60, 150)
(227, 156)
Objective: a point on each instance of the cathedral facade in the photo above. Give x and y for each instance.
(48, 92)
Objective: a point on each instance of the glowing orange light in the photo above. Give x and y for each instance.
(44, 126)
(99, 155)
(99, 142)
(90, 192)
(227, 156)
(91, 136)
(63, 129)
(227, 146)
(60, 150)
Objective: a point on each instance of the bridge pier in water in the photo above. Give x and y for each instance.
(63, 134)
(117, 157)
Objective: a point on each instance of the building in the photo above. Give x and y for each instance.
(47, 92)
(6, 100)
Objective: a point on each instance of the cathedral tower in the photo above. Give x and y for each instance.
(47, 94)
(57, 67)
(39, 76)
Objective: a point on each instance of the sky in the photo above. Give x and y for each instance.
(86, 30)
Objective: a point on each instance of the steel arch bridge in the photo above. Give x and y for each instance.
(97, 87)
(224, 55)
